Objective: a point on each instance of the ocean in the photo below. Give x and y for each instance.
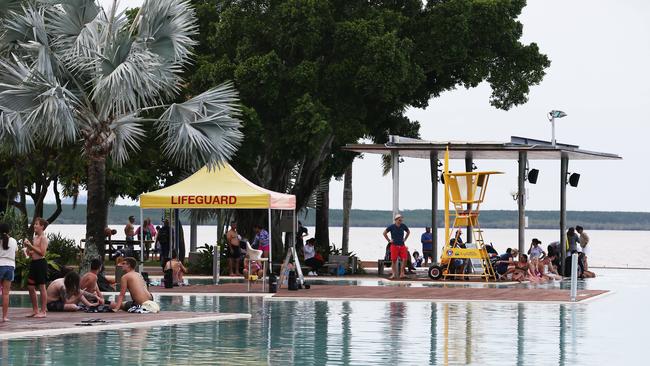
(609, 248)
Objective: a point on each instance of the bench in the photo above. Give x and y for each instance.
(110, 246)
(335, 261)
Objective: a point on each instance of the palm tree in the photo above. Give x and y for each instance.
(72, 72)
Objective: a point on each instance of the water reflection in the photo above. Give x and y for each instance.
(329, 332)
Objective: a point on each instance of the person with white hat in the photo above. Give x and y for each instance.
(398, 244)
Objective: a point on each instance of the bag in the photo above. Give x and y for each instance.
(292, 281)
(319, 257)
(340, 270)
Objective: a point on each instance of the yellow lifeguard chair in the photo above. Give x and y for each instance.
(465, 191)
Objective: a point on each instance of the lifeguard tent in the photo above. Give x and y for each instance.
(221, 187)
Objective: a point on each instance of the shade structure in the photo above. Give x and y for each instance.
(221, 187)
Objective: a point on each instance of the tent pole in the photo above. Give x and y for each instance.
(270, 243)
(141, 243)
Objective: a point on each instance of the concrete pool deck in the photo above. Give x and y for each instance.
(58, 323)
(398, 290)
(434, 294)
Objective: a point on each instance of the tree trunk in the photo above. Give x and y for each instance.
(96, 211)
(322, 217)
(347, 206)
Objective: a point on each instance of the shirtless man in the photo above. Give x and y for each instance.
(63, 294)
(37, 267)
(234, 252)
(134, 283)
(177, 268)
(129, 229)
(89, 280)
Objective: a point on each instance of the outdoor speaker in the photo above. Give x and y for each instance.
(573, 179)
(532, 176)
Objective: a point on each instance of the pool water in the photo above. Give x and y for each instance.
(611, 328)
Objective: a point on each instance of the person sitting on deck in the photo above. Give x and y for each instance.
(534, 275)
(548, 269)
(585, 273)
(89, 281)
(256, 268)
(505, 260)
(63, 294)
(177, 268)
(417, 260)
(458, 265)
(312, 258)
(518, 270)
(133, 282)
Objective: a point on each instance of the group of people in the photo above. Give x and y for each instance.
(536, 266)
(235, 252)
(70, 293)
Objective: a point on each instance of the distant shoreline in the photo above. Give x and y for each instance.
(495, 219)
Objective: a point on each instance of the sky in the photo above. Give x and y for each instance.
(599, 76)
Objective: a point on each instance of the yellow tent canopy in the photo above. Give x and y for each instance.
(222, 187)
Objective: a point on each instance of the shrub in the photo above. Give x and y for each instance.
(66, 249)
(17, 223)
(203, 265)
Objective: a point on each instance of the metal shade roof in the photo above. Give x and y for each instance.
(535, 149)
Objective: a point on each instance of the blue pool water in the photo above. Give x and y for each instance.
(609, 329)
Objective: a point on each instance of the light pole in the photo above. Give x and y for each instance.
(552, 115)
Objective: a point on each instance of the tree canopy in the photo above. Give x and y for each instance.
(315, 75)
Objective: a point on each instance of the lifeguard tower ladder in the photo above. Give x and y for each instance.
(465, 191)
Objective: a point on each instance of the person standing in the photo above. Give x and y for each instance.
(162, 242)
(234, 250)
(398, 244)
(427, 245)
(300, 234)
(147, 230)
(7, 266)
(129, 229)
(583, 240)
(38, 267)
(261, 241)
(535, 251)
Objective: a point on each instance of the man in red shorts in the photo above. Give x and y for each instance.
(397, 244)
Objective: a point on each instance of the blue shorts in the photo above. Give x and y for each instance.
(6, 273)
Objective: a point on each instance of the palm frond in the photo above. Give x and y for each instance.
(54, 116)
(27, 29)
(132, 78)
(7, 6)
(386, 164)
(126, 133)
(15, 135)
(202, 130)
(166, 27)
(75, 26)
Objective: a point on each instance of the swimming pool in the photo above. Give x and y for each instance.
(611, 328)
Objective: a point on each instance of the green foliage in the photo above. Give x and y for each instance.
(333, 250)
(315, 75)
(72, 73)
(17, 223)
(23, 262)
(66, 249)
(203, 265)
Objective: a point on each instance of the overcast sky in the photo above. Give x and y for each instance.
(599, 75)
